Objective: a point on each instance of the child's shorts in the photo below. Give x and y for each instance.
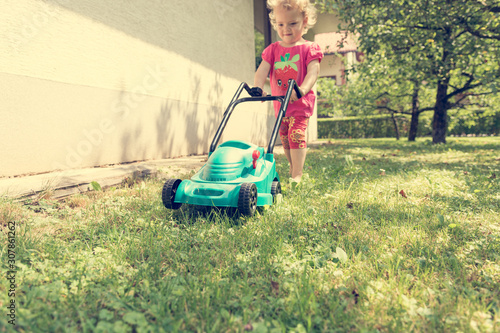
(293, 132)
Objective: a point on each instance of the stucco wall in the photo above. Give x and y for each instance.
(93, 82)
(332, 66)
(335, 65)
(324, 23)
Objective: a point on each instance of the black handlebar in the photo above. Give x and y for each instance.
(257, 91)
(256, 94)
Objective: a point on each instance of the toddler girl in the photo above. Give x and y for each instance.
(292, 58)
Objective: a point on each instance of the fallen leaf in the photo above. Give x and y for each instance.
(275, 287)
(351, 299)
(403, 194)
(356, 296)
(334, 226)
(341, 255)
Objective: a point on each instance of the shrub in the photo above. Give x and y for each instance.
(382, 126)
(361, 127)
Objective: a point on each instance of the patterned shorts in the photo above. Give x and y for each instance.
(293, 132)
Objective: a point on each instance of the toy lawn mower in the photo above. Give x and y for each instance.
(237, 174)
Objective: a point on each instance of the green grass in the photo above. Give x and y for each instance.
(383, 236)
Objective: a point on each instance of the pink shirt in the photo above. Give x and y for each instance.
(291, 63)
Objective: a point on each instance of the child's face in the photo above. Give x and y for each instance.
(290, 24)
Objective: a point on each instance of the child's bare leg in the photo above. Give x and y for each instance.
(297, 160)
(289, 158)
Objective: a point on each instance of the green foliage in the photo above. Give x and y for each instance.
(451, 46)
(326, 6)
(370, 90)
(382, 126)
(96, 186)
(482, 117)
(360, 127)
(330, 99)
(345, 251)
(260, 45)
(480, 123)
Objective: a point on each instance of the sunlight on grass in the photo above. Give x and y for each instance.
(380, 235)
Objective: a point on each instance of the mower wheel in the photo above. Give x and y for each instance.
(275, 189)
(168, 194)
(247, 200)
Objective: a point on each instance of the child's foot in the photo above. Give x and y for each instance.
(294, 182)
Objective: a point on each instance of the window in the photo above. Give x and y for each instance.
(262, 29)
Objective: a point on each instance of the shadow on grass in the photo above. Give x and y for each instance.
(191, 214)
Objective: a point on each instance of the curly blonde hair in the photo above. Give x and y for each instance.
(304, 6)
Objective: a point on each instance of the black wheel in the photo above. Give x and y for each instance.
(275, 189)
(168, 193)
(247, 200)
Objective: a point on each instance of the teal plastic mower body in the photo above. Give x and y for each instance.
(237, 174)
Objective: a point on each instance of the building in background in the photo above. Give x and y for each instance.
(90, 83)
(341, 53)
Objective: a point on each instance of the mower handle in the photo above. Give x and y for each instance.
(257, 91)
(256, 94)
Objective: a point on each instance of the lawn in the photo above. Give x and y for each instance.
(381, 236)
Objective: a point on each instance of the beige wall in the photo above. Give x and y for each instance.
(94, 82)
(334, 65)
(325, 23)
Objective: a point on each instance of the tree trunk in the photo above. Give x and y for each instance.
(440, 122)
(395, 122)
(412, 134)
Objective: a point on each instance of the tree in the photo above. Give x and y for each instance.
(374, 86)
(451, 45)
(396, 92)
(483, 22)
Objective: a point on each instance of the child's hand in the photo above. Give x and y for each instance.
(264, 94)
(294, 96)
